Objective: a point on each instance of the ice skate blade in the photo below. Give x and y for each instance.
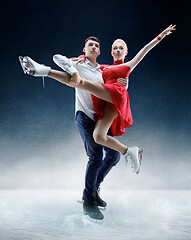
(140, 156)
(140, 159)
(23, 62)
(100, 208)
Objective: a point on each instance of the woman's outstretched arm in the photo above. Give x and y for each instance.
(141, 54)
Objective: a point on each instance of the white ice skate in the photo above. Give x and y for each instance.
(134, 156)
(64, 63)
(33, 68)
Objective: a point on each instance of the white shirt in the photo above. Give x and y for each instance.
(83, 98)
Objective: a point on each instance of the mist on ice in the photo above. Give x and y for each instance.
(56, 214)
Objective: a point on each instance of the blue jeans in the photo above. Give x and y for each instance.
(97, 167)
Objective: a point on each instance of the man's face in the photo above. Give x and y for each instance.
(92, 49)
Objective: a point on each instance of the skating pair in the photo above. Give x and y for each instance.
(29, 66)
(133, 155)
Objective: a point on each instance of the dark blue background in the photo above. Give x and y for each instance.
(32, 117)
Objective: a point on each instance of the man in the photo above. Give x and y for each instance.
(97, 167)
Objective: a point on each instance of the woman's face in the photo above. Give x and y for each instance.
(119, 50)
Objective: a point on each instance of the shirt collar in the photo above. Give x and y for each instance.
(91, 64)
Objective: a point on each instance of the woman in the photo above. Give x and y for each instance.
(113, 113)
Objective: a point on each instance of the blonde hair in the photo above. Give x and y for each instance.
(119, 40)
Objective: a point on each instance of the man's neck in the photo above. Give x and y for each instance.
(92, 60)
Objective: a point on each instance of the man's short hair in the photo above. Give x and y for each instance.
(93, 39)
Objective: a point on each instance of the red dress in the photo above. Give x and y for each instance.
(119, 96)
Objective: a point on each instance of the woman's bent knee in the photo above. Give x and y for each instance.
(99, 138)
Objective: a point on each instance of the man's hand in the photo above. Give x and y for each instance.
(124, 82)
(75, 80)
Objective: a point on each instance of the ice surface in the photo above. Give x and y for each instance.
(130, 215)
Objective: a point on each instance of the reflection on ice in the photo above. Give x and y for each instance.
(130, 215)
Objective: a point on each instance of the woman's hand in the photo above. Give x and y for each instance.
(167, 31)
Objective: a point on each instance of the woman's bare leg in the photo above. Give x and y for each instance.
(100, 132)
(103, 125)
(95, 88)
(38, 70)
(62, 77)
